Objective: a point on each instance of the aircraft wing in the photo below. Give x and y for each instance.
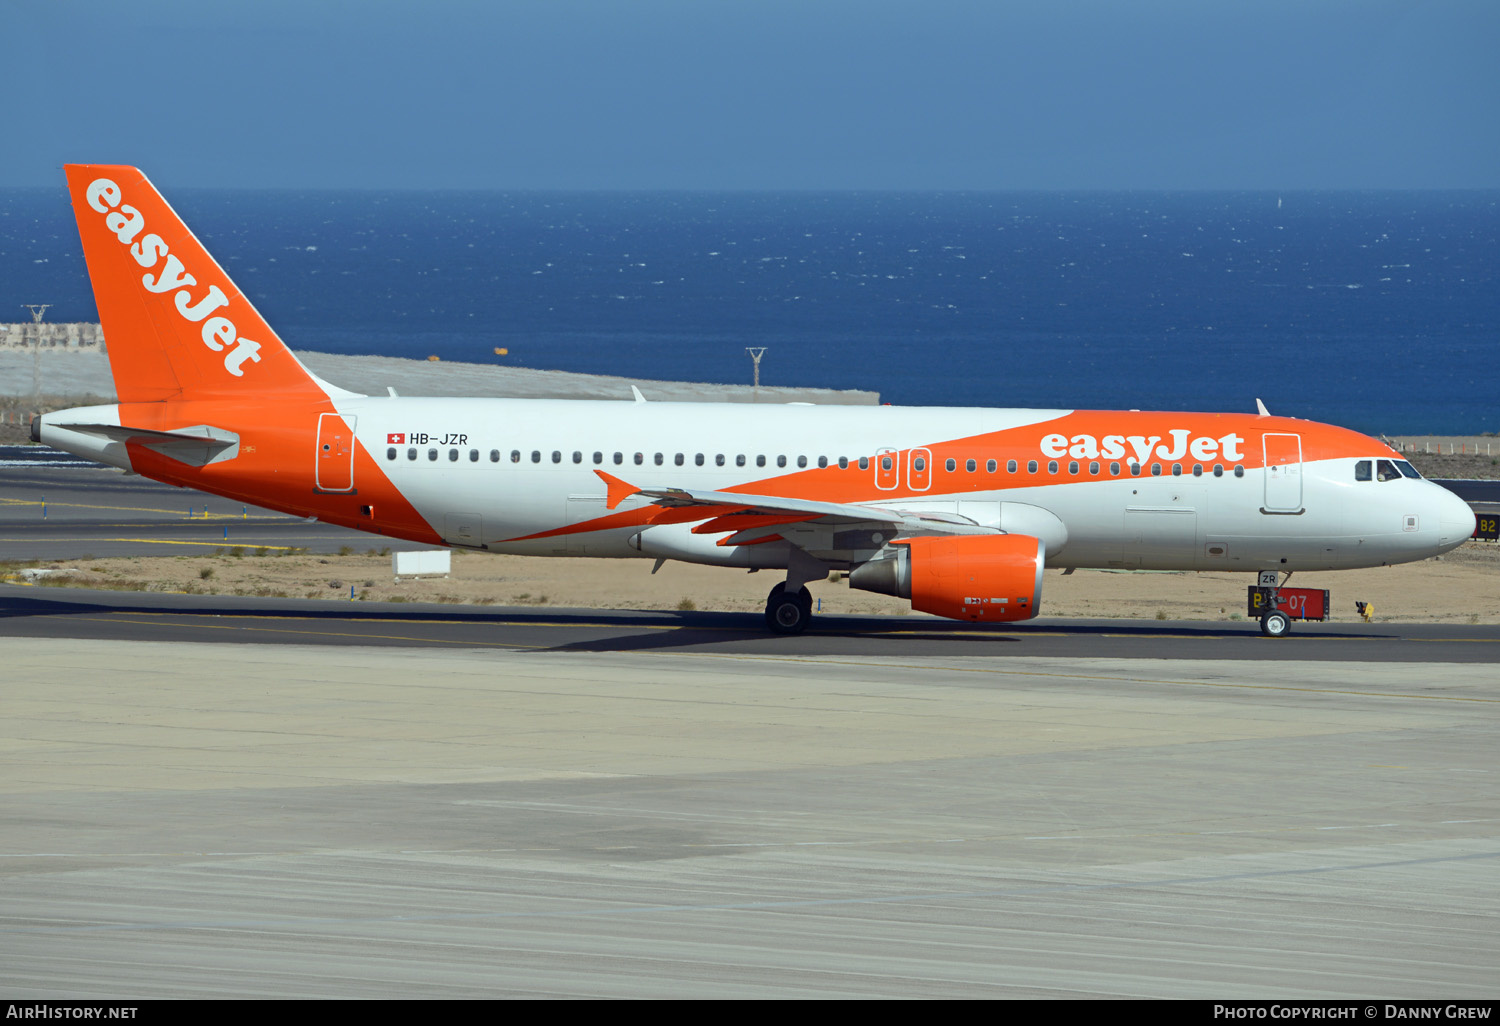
(785, 510)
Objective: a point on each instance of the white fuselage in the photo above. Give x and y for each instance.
(527, 467)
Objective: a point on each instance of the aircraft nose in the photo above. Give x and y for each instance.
(1455, 519)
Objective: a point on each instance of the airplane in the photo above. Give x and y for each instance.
(958, 510)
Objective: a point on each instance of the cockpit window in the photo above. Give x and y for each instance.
(1362, 470)
(1407, 470)
(1385, 470)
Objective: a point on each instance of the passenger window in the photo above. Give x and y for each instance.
(885, 463)
(515, 455)
(1051, 466)
(719, 460)
(473, 455)
(577, 456)
(536, 456)
(760, 461)
(1385, 470)
(598, 458)
(1010, 466)
(452, 455)
(1218, 470)
(494, 455)
(1197, 470)
(1093, 468)
(556, 456)
(1156, 470)
(678, 459)
(990, 466)
(801, 461)
(659, 459)
(1362, 470)
(1239, 470)
(432, 454)
(822, 462)
(1177, 470)
(864, 463)
(1114, 469)
(640, 458)
(1135, 470)
(739, 461)
(390, 454)
(411, 454)
(918, 464)
(781, 461)
(952, 465)
(1031, 466)
(619, 458)
(843, 463)
(971, 466)
(698, 460)
(1073, 467)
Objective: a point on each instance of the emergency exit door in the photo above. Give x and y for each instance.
(1283, 455)
(333, 467)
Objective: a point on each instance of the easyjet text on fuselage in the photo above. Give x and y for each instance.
(1181, 442)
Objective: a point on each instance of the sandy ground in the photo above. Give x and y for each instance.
(1460, 587)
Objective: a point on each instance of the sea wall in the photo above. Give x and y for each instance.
(70, 360)
(28, 335)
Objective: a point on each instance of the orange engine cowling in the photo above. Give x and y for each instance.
(992, 577)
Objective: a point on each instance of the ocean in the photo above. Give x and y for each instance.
(1376, 310)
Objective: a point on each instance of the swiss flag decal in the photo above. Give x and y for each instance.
(396, 438)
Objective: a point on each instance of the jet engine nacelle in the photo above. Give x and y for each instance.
(963, 577)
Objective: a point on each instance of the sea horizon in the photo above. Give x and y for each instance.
(1377, 309)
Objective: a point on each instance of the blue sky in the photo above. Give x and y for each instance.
(725, 94)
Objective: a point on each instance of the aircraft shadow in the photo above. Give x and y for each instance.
(641, 630)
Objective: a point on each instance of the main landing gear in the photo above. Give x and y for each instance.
(788, 612)
(789, 606)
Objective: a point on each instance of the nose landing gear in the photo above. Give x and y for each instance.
(1275, 624)
(1276, 605)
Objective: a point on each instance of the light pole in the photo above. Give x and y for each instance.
(756, 354)
(38, 310)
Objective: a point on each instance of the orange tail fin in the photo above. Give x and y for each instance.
(175, 325)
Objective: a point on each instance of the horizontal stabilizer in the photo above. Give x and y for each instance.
(196, 446)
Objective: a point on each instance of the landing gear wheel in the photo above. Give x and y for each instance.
(1275, 624)
(788, 613)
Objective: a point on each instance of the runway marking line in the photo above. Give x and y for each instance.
(755, 658)
(877, 842)
(1204, 882)
(796, 659)
(218, 544)
(757, 630)
(130, 509)
(326, 634)
(1091, 676)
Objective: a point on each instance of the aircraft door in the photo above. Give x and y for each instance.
(581, 508)
(333, 467)
(919, 470)
(464, 529)
(887, 469)
(1283, 455)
